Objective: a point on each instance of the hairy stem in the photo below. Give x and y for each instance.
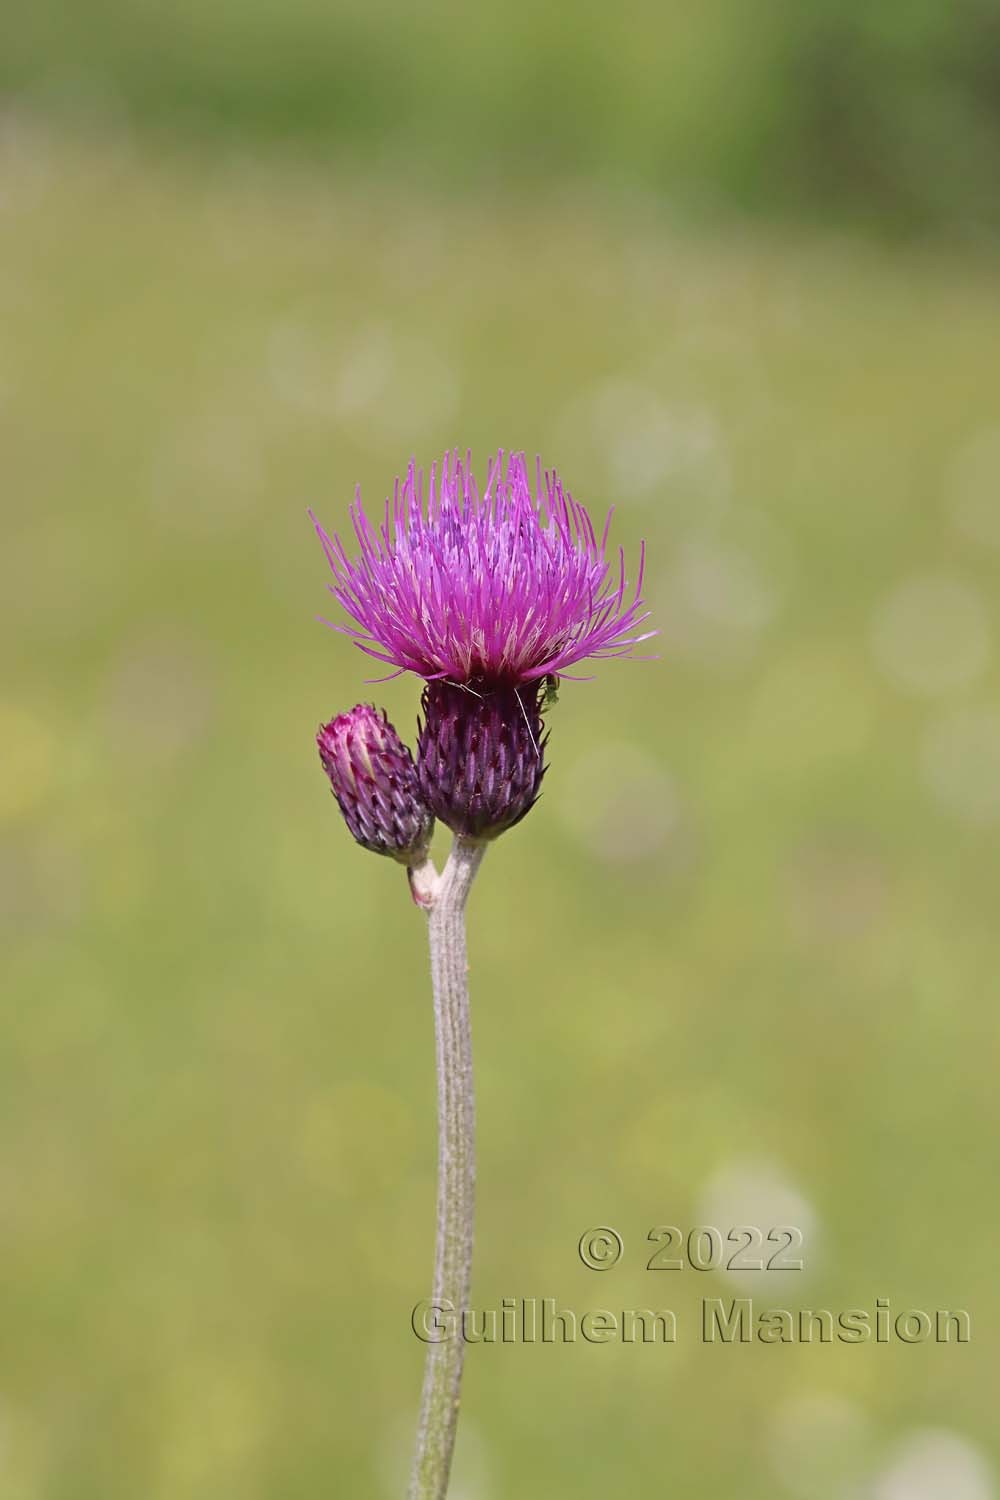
(456, 1169)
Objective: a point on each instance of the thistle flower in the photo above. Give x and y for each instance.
(489, 598)
(374, 780)
(486, 596)
(503, 587)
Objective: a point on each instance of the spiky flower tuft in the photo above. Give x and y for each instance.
(374, 780)
(502, 587)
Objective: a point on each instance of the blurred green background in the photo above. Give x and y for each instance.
(735, 276)
(838, 107)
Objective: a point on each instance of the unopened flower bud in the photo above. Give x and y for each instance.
(375, 783)
(479, 755)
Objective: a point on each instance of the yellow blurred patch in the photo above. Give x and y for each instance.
(356, 1138)
(27, 758)
(215, 1423)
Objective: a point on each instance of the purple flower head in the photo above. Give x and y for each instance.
(374, 780)
(498, 588)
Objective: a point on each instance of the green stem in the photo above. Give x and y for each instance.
(456, 1170)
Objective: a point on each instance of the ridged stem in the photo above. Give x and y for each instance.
(456, 1168)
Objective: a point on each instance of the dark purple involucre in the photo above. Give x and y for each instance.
(374, 780)
(505, 586)
(479, 756)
